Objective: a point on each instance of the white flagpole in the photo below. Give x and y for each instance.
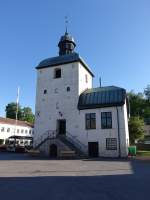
(17, 103)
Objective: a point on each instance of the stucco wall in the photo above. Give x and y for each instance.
(60, 104)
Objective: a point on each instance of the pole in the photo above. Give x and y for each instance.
(100, 82)
(17, 105)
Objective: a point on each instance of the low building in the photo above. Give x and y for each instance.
(15, 129)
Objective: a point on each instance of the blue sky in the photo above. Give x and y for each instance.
(112, 36)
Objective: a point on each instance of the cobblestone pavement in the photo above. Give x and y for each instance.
(22, 177)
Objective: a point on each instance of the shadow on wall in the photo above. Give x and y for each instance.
(113, 187)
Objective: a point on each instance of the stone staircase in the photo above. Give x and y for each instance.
(69, 146)
(67, 154)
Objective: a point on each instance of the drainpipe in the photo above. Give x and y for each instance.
(118, 125)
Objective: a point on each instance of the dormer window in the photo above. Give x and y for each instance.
(57, 73)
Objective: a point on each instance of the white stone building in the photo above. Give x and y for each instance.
(19, 130)
(71, 114)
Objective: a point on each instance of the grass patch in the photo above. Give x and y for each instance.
(143, 153)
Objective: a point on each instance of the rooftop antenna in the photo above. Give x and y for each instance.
(100, 82)
(66, 23)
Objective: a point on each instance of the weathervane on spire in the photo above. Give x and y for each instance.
(66, 23)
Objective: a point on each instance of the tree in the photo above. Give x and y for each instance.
(27, 115)
(136, 129)
(139, 106)
(24, 114)
(11, 111)
(147, 92)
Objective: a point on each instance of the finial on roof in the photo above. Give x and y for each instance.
(66, 44)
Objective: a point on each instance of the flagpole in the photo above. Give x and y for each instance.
(17, 106)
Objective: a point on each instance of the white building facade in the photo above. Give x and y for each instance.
(69, 109)
(10, 128)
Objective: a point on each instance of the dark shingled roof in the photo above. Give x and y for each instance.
(102, 97)
(63, 59)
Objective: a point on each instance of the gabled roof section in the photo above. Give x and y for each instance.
(63, 59)
(14, 122)
(102, 97)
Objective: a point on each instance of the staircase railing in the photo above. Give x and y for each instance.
(49, 134)
(76, 141)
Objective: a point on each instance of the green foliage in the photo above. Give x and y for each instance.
(11, 111)
(147, 92)
(27, 115)
(136, 129)
(24, 114)
(139, 106)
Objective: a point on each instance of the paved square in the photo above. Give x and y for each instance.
(22, 177)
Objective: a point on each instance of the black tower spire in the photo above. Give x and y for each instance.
(66, 44)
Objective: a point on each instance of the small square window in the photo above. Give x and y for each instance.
(17, 130)
(22, 131)
(68, 89)
(86, 78)
(2, 129)
(45, 91)
(57, 73)
(8, 130)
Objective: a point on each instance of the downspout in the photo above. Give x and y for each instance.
(118, 125)
(128, 106)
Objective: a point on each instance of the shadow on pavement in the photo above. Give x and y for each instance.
(113, 187)
(19, 156)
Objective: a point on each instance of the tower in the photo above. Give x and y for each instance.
(60, 81)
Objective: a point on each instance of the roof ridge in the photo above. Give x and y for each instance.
(101, 89)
